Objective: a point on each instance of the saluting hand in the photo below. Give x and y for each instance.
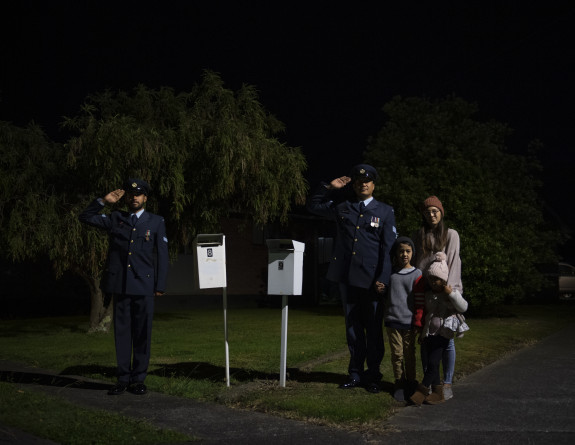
(340, 182)
(114, 197)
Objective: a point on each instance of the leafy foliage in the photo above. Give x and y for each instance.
(29, 166)
(38, 213)
(206, 153)
(490, 196)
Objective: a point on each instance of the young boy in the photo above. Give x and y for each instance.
(403, 315)
(442, 303)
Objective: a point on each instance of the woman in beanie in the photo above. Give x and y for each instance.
(442, 304)
(434, 236)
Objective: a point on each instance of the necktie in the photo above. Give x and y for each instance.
(361, 207)
(134, 220)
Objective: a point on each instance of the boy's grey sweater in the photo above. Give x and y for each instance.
(400, 298)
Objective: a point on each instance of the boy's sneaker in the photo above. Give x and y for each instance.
(398, 391)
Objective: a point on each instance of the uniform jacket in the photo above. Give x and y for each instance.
(361, 251)
(138, 256)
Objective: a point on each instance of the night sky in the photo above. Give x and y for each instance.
(323, 70)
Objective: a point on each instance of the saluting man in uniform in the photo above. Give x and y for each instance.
(361, 265)
(136, 272)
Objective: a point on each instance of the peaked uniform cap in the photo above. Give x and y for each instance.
(363, 172)
(137, 186)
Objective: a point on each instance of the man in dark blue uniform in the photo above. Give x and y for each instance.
(136, 272)
(362, 266)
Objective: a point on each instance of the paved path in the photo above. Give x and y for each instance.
(528, 397)
(212, 423)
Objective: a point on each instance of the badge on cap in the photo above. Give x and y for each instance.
(362, 171)
(134, 185)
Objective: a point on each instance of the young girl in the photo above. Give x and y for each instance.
(442, 304)
(434, 236)
(403, 315)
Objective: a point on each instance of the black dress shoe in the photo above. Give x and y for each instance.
(351, 383)
(139, 389)
(117, 389)
(372, 388)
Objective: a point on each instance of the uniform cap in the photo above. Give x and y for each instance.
(364, 173)
(137, 186)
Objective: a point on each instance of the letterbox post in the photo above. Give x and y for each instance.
(210, 272)
(285, 276)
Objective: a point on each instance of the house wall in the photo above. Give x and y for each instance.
(247, 259)
(246, 264)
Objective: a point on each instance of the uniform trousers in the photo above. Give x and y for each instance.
(363, 309)
(133, 316)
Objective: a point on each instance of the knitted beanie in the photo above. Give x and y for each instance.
(438, 268)
(403, 240)
(432, 201)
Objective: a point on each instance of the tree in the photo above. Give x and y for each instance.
(33, 216)
(206, 153)
(29, 180)
(491, 196)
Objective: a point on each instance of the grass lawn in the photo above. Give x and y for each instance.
(188, 357)
(66, 423)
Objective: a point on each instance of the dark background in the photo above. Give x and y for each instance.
(323, 70)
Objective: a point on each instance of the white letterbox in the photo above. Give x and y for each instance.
(285, 266)
(210, 270)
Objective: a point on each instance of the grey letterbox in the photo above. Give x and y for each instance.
(210, 270)
(285, 266)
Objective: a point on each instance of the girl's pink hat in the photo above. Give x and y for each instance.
(439, 267)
